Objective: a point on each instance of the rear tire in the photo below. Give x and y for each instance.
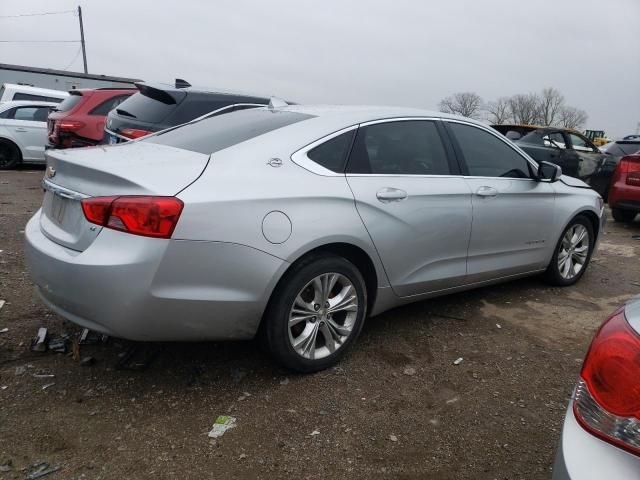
(625, 216)
(306, 329)
(10, 156)
(572, 254)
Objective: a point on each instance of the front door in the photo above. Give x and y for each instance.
(512, 212)
(414, 203)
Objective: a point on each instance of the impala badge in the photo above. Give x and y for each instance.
(51, 172)
(274, 162)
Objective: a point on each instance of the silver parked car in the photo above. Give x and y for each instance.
(23, 132)
(295, 223)
(601, 433)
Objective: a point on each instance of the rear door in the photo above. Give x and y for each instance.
(512, 212)
(28, 125)
(414, 203)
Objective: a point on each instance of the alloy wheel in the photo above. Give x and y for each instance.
(574, 250)
(323, 316)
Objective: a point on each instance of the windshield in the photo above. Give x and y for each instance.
(217, 133)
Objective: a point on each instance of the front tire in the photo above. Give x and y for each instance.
(573, 253)
(625, 216)
(316, 313)
(10, 155)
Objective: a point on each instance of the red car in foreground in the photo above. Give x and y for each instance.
(79, 120)
(624, 193)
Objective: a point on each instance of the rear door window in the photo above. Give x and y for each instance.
(219, 132)
(69, 103)
(488, 156)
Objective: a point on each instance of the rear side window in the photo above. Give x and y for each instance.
(332, 154)
(105, 107)
(487, 155)
(197, 106)
(145, 109)
(629, 148)
(219, 132)
(411, 147)
(69, 103)
(36, 98)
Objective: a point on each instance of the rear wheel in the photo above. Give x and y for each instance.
(316, 313)
(573, 253)
(9, 155)
(620, 215)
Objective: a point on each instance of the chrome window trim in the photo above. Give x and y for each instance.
(301, 159)
(61, 191)
(504, 140)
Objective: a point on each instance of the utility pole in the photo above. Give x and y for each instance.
(84, 51)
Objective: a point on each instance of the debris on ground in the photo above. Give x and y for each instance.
(221, 425)
(314, 433)
(284, 381)
(2, 302)
(20, 370)
(7, 466)
(635, 284)
(242, 456)
(42, 375)
(498, 325)
(138, 356)
(40, 470)
(458, 361)
(89, 337)
(393, 438)
(4, 330)
(59, 344)
(244, 396)
(87, 361)
(39, 342)
(44, 387)
(409, 371)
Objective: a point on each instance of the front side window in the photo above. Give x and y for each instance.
(412, 147)
(581, 144)
(555, 139)
(488, 156)
(332, 154)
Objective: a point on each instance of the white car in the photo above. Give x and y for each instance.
(14, 92)
(23, 132)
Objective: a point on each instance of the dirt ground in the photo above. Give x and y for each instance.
(497, 415)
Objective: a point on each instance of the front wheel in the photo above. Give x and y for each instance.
(315, 313)
(572, 254)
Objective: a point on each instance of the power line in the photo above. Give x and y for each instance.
(39, 41)
(37, 14)
(74, 58)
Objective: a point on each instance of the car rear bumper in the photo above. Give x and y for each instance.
(582, 456)
(148, 289)
(625, 197)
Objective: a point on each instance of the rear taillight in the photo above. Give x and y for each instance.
(68, 125)
(148, 216)
(133, 133)
(607, 399)
(630, 165)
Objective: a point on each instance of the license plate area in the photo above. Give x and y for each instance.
(58, 208)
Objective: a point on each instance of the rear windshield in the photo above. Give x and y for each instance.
(217, 133)
(144, 108)
(68, 103)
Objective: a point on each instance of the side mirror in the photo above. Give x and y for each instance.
(549, 171)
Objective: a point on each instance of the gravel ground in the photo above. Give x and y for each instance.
(396, 407)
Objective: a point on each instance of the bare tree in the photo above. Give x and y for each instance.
(524, 108)
(571, 117)
(551, 104)
(467, 104)
(499, 111)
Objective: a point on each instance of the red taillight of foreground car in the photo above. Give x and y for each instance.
(607, 399)
(148, 216)
(134, 133)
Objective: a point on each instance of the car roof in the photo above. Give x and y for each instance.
(199, 89)
(29, 88)
(25, 103)
(353, 114)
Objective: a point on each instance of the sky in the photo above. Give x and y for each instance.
(383, 52)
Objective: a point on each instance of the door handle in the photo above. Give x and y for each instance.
(486, 192)
(21, 129)
(388, 194)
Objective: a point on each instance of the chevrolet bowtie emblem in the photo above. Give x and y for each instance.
(51, 172)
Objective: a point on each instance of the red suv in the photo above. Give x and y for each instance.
(79, 120)
(624, 193)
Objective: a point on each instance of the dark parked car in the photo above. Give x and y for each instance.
(573, 152)
(79, 120)
(156, 107)
(620, 148)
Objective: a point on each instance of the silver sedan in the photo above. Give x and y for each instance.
(295, 223)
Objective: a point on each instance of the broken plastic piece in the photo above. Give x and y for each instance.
(59, 344)
(221, 425)
(39, 343)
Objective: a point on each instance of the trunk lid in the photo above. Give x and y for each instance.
(135, 168)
